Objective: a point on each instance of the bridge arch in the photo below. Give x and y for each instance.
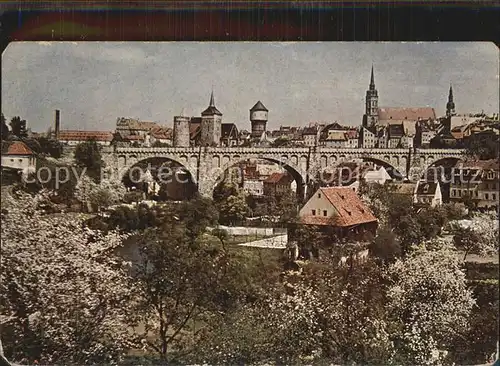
(175, 177)
(444, 165)
(392, 169)
(217, 175)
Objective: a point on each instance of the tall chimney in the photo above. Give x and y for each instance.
(57, 124)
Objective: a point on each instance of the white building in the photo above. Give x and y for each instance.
(17, 155)
(428, 194)
(379, 176)
(253, 187)
(310, 135)
(367, 138)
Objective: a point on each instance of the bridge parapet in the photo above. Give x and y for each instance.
(441, 151)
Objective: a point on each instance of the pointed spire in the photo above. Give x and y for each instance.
(212, 102)
(211, 109)
(183, 112)
(450, 106)
(372, 80)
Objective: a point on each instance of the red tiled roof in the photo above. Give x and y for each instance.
(18, 148)
(161, 133)
(276, 178)
(194, 128)
(74, 135)
(147, 125)
(352, 134)
(412, 114)
(134, 138)
(351, 210)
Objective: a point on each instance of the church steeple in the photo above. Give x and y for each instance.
(371, 103)
(211, 110)
(450, 106)
(372, 81)
(212, 102)
(211, 124)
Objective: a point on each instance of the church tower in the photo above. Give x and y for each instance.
(450, 106)
(211, 124)
(371, 104)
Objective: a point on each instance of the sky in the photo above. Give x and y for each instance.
(94, 83)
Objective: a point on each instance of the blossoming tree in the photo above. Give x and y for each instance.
(65, 294)
(429, 303)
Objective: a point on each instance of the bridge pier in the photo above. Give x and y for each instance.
(205, 188)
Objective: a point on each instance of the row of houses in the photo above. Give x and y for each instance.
(339, 214)
(450, 131)
(474, 182)
(395, 128)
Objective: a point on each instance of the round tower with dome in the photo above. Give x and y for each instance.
(258, 118)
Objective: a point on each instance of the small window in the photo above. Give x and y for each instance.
(477, 193)
(11, 160)
(314, 212)
(493, 196)
(20, 160)
(486, 196)
(325, 213)
(460, 193)
(319, 195)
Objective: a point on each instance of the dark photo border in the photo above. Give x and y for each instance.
(250, 21)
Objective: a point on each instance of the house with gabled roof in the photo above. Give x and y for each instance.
(17, 155)
(379, 176)
(427, 194)
(338, 213)
(277, 183)
(230, 135)
(310, 135)
(477, 181)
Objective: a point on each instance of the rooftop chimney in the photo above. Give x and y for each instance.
(57, 124)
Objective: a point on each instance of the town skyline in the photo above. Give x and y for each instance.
(321, 81)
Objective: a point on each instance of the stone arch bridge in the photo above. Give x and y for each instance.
(207, 164)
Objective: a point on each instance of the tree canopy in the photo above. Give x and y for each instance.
(18, 127)
(88, 155)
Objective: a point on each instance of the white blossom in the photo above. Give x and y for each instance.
(108, 192)
(430, 299)
(63, 280)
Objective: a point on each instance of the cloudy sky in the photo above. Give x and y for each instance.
(94, 83)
